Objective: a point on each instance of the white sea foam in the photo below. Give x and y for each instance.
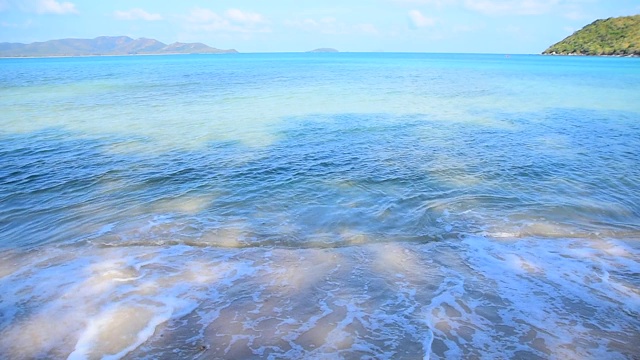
(476, 297)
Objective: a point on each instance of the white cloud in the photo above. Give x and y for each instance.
(244, 16)
(511, 7)
(136, 14)
(326, 25)
(39, 6)
(200, 15)
(55, 7)
(572, 8)
(418, 20)
(233, 20)
(434, 3)
(331, 26)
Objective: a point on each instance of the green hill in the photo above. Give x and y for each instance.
(104, 45)
(613, 36)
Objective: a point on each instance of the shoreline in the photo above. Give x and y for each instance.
(108, 55)
(300, 52)
(598, 55)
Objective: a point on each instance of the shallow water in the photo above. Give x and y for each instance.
(320, 205)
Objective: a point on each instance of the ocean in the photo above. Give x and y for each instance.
(320, 206)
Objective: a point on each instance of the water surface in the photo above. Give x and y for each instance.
(320, 205)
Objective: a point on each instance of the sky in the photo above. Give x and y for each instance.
(460, 26)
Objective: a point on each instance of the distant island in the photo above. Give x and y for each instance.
(104, 45)
(613, 36)
(323, 50)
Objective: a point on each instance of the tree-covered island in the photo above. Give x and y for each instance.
(613, 36)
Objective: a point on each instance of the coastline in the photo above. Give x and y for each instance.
(110, 55)
(592, 55)
(309, 52)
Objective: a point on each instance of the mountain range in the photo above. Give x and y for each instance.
(104, 45)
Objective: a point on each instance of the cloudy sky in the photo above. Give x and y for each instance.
(485, 26)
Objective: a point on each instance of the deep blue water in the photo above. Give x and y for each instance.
(445, 155)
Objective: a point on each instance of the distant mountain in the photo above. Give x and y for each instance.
(323, 50)
(190, 48)
(104, 45)
(613, 36)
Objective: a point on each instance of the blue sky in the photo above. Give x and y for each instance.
(484, 26)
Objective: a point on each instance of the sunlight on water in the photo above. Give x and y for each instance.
(294, 206)
(246, 111)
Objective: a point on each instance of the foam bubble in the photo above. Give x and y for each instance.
(472, 297)
(117, 331)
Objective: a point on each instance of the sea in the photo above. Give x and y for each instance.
(320, 206)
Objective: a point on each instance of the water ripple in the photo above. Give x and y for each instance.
(329, 177)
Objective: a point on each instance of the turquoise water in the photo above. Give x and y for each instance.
(320, 205)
